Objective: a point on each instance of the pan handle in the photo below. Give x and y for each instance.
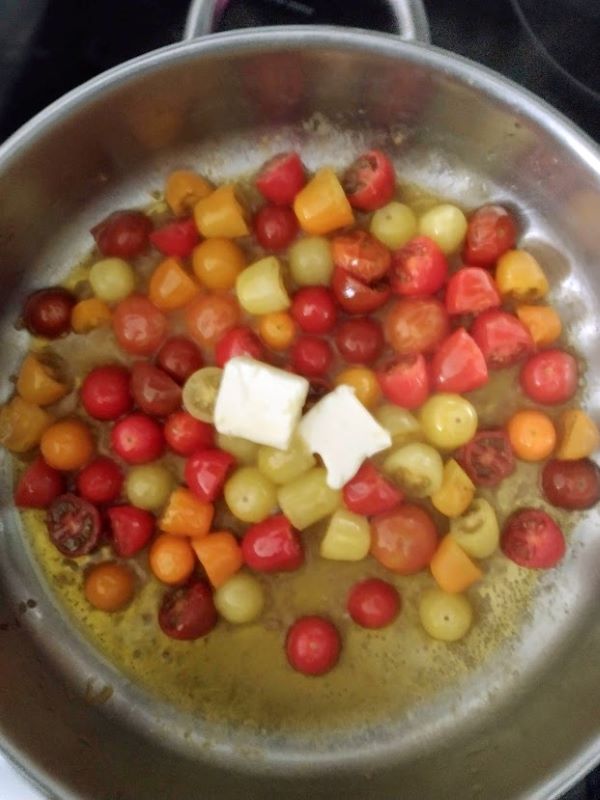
(410, 18)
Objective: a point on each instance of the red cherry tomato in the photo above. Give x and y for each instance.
(311, 356)
(404, 540)
(47, 312)
(502, 338)
(313, 645)
(405, 381)
(370, 182)
(369, 493)
(123, 234)
(532, 539)
(361, 255)
(492, 231)
(313, 308)
(487, 458)
(275, 227)
(458, 364)
(205, 473)
(571, 484)
(281, 178)
(177, 238)
(418, 268)
(39, 485)
(241, 341)
(272, 546)
(470, 291)
(105, 392)
(155, 392)
(416, 325)
(550, 377)
(373, 603)
(188, 612)
(356, 297)
(137, 439)
(73, 525)
(185, 434)
(131, 528)
(139, 326)
(100, 481)
(179, 357)
(360, 340)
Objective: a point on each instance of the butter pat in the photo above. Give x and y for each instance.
(258, 402)
(341, 430)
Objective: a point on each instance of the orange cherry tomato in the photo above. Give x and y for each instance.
(171, 558)
(185, 515)
(210, 316)
(542, 322)
(170, 286)
(532, 435)
(89, 314)
(37, 384)
(221, 214)
(22, 425)
(109, 586)
(363, 381)
(218, 262)
(322, 206)
(67, 444)
(183, 190)
(578, 435)
(220, 555)
(277, 330)
(452, 568)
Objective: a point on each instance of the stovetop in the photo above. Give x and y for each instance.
(47, 48)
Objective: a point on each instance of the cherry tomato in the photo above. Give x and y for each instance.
(532, 539)
(550, 377)
(177, 238)
(361, 255)
(179, 357)
(373, 603)
(241, 341)
(281, 178)
(277, 330)
(313, 308)
(311, 356)
(369, 493)
(492, 230)
(172, 559)
(47, 312)
(318, 388)
(73, 525)
(123, 234)
(189, 612)
(487, 458)
(67, 444)
(313, 645)
(101, 481)
(416, 325)
(131, 529)
(272, 546)
(105, 392)
(137, 439)
(404, 540)
(571, 484)
(155, 392)
(139, 326)
(210, 316)
(109, 587)
(418, 268)
(39, 485)
(205, 473)
(470, 291)
(356, 297)
(275, 227)
(502, 338)
(458, 364)
(360, 340)
(185, 434)
(369, 183)
(405, 381)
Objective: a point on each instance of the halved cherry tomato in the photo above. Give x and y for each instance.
(311, 356)
(550, 377)
(487, 458)
(405, 381)
(275, 227)
(370, 181)
(571, 484)
(155, 392)
(171, 287)
(452, 568)
(22, 425)
(418, 268)
(360, 340)
(373, 603)
(542, 322)
(532, 539)
(185, 434)
(313, 308)
(105, 392)
(220, 556)
(578, 434)
(139, 326)
(186, 515)
(210, 316)
(281, 178)
(492, 230)
(458, 365)
(205, 473)
(39, 485)
(131, 529)
(188, 613)
(47, 312)
(183, 189)
(356, 297)
(361, 255)
(177, 238)
(416, 325)
(470, 291)
(179, 357)
(369, 493)
(73, 525)
(321, 206)
(241, 341)
(404, 540)
(313, 645)
(502, 338)
(38, 383)
(272, 546)
(220, 214)
(123, 234)
(89, 314)
(137, 439)
(100, 481)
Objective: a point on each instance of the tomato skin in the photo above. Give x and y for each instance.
(369, 493)
(39, 485)
(356, 297)
(241, 341)
(488, 458)
(458, 364)
(359, 340)
(311, 356)
(105, 392)
(185, 434)
(205, 473)
(313, 308)
(502, 338)
(550, 377)
(179, 357)
(361, 255)
(131, 529)
(492, 230)
(210, 316)
(416, 325)
(373, 603)
(471, 290)
(404, 540)
(188, 612)
(532, 539)
(155, 392)
(573, 485)
(177, 238)
(137, 439)
(139, 326)
(123, 234)
(281, 178)
(47, 312)
(100, 481)
(312, 645)
(405, 381)
(275, 227)
(272, 546)
(418, 268)
(370, 181)
(73, 525)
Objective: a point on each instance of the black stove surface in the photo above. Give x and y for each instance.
(50, 46)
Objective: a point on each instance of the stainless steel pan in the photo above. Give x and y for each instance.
(525, 724)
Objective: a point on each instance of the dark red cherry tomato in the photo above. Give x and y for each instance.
(370, 182)
(361, 255)
(205, 473)
(241, 341)
(131, 529)
(47, 312)
(458, 364)
(502, 338)
(177, 238)
(356, 297)
(281, 178)
(492, 230)
(105, 392)
(39, 485)
(571, 484)
(471, 290)
(123, 234)
(318, 388)
(73, 525)
(360, 340)
(188, 612)
(369, 493)
(311, 356)
(100, 481)
(137, 439)
(275, 227)
(155, 392)
(272, 546)
(405, 381)
(313, 308)
(179, 357)
(550, 377)
(418, 268)
(313, 645)
(487, 458)
(532, 539)
(185, 434)
(139, 326)
(373, 603)
(416, 325)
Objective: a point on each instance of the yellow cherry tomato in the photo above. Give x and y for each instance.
(260, 288)
(89, 314)
(364, 382)
(322, 206)
(170, 286)
(456, 492)
(183, 190)
(277, 330)
(519, 276)
(446, 617)
(67, 444)
(578, 435)
(542, 322)
(532, 435)
(22, 425)
(36, 383)
(221, 214)
(218, 262)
